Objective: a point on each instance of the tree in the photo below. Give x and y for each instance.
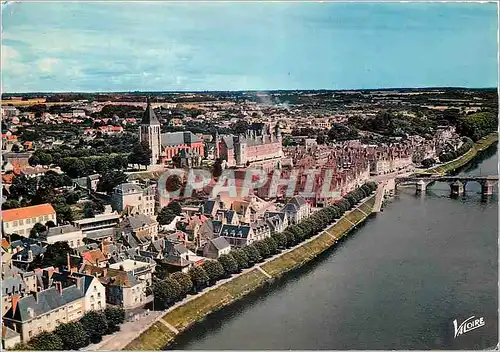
(95, 325)
(16, 148)
(72, 335)
(229, 264)
(271, 244)
(10, 204)
(166, 292)
(214, 270)
(290, 238)
(47, 341)
(173, 183)
(217, 168)
(110, 180)
(263, 249)
(114, 317)
(280, 239)
(240, 126)
(184, 281)
(241, 258)
(22, 187)
(90, 209)
(55, 255)
(175, 207)
(37, 229)
(64, 212)
(199, 278)
(253, 254)
(140, 155)
(165, 216)
(50, 224)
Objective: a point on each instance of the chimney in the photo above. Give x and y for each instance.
(105, 272)
(59, 287)
(30, 255)
(69, 261)
(15, 300)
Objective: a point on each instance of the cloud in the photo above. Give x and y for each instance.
(47, 64)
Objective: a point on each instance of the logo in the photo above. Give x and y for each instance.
(467, 325)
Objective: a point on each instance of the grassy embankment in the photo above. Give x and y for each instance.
(158, 336)
(479, 146)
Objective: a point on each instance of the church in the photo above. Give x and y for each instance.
(165, 146)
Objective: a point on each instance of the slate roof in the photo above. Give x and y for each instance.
(177, 138)
(59, 230)
(138, 220)
(299, 201)
(149, 116)
(48, 300)
(290, 208)
(220, 243)
(12, 285)
(235, 231)
(128, 188)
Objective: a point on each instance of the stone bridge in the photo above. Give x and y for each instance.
(457, 183)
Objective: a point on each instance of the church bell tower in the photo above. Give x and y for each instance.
(149, 133)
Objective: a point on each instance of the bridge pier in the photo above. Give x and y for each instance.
(457, 188)
(421, 186)
(487, 187)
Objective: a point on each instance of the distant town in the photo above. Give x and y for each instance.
(95, 236)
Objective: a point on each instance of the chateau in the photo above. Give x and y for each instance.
(260, 146)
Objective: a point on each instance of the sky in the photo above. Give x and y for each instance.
(160, 46)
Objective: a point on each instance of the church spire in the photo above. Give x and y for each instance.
(149, 117)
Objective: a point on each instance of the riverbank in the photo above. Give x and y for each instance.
(186, 314)
(480, 146)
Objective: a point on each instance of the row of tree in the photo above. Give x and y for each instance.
(477, 125)
(176, 286)
(453, 154)
(75, 335)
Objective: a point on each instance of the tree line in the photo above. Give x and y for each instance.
(171, 288)
(76, 335)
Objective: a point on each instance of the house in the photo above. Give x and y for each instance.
(297, 209)
(10, 338)
(122, 287)
(237, 235)
(142, 225)
(211, 206)
(131, 198)
(143, 271)
(94, 257)
(94, 292)
(278, 221)
(22, 220)
(70, 234)
(92, 181)
(12, 286)
(216, 247)
(44, 310)
(178, 258)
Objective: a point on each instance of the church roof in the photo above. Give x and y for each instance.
(149, 117)
(178, 138)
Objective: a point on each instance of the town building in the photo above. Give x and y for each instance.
(70, 234)
(130, 198)
(21, 220)
(216, 247)
(44, 310)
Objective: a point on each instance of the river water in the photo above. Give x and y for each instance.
(398, 282)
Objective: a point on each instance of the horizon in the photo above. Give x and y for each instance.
(55, 48)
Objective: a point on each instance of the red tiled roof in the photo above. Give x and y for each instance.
(27, 212)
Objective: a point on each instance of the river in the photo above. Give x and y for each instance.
(398, 282)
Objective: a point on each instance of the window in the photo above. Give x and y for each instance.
(28, 221)
(15, 223)
(46, 218)
(21, 222)
(71, 243)
(21, 232)
(99, 304)
(33, 220)
(30, 333)
(6, 225)
(99, 295)
(92, 306)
